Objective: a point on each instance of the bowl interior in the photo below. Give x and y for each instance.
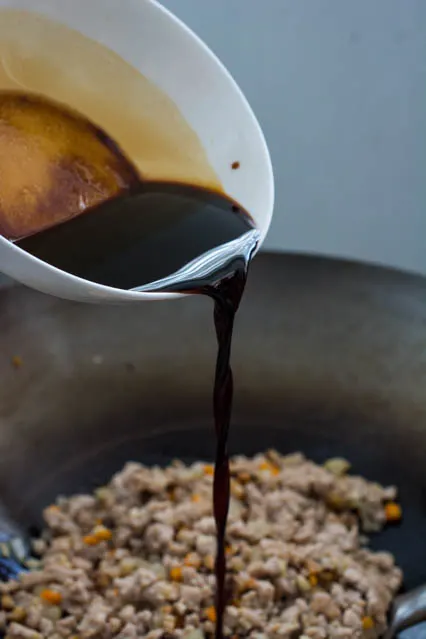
(105, 45)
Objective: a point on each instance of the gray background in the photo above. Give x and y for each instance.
(339, 87)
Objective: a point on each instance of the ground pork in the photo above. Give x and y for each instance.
(136, 559)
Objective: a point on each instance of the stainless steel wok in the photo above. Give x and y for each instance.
(329, 358)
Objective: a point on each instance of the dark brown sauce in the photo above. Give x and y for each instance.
(227, 296)
(145, 235)
(141, 236)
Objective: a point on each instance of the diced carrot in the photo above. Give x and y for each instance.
(51, 597)
(91, 540)
(393, 511)
(274, 470)
(367, 623)
(210, 613)
(102, 533)
(313, 579)
(195, 498)
(176, 573)
(209, 469)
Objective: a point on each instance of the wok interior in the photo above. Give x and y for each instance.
(329, 358)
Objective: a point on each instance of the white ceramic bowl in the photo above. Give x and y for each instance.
(173, 58)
